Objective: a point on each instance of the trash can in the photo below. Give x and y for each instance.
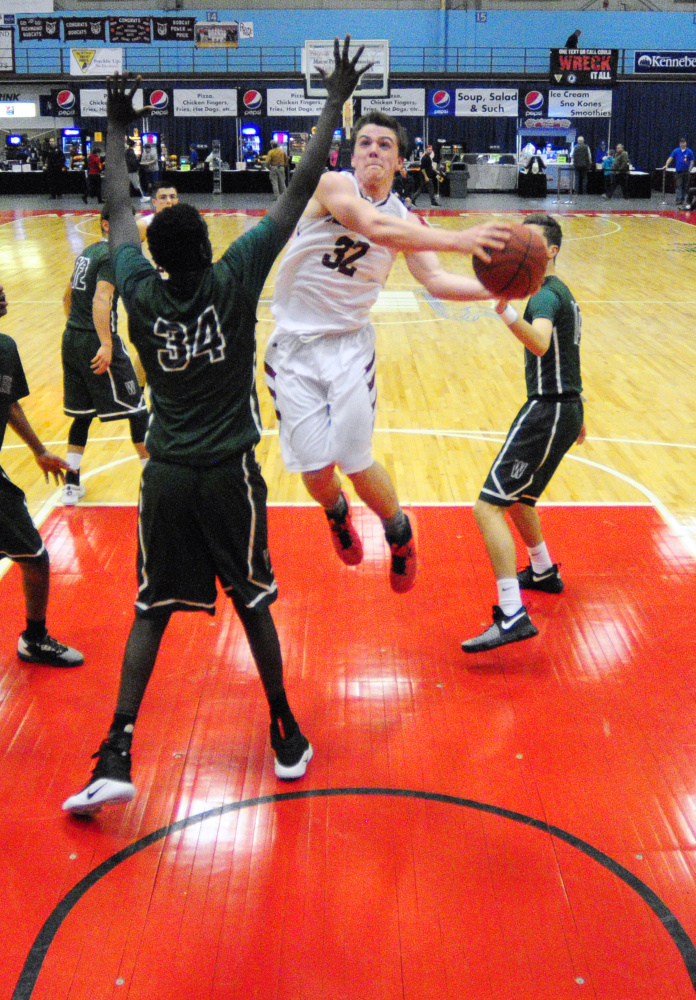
(459, 180)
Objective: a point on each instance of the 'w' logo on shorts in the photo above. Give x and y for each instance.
(518, 469)
(130, 388)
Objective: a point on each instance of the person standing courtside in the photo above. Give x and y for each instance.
(683, 159)
(133, 168)
(582, 161)
(542, 432)
(19, 539)
(202, 512)
(428, 178)
(320, 359)
(620, 169)
(277, 161)
(98, 375)
(55, 167)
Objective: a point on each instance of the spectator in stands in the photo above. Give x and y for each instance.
(572, 42)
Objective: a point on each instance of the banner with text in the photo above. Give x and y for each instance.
(96, 62)
(477, 102)
(580, 103)
(130, 29)
(173, 29)
(84, 29)
(37, 28)
(583, 67)
(93, 102)
(282, 102)
(402, 103)
(664, 62)
(205, 103)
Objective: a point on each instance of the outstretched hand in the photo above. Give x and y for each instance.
(119, 99)
(48, 462)
(345, 76)
(479, 240)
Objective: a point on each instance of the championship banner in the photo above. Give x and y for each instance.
(130, 29)
(93, 102)
(292, 103)
(173, 29)
(84, 29)
(402, 103)
(216, 35)
(96, 62)
(582, 67)
(477, 102)
(37, 28)
(580, 103)
(206, 103)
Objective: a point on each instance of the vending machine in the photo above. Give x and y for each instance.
(250, 142)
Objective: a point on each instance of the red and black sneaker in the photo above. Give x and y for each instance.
(345, 538)
(404, 564)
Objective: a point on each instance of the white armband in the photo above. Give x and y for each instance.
(509, 315)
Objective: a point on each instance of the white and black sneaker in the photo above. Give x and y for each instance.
(111, 779)
(549, 581)
(505, 628)
(48, 650)
(72, 493)
(292, 753)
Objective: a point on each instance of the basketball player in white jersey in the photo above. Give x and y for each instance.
(320, 360)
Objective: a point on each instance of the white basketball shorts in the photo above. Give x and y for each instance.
(325, 396)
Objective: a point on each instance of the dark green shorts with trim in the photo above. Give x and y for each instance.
(540, 435)
(199, 524)
(19, 538)
(114, 395)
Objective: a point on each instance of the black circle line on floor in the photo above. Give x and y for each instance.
(39, 949)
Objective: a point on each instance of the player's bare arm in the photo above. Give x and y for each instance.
(3, 302)
(101, 316)
(47, 462)
(535, 336)
(427, 268)
(340, 85)
(67, 299)
(336, 196)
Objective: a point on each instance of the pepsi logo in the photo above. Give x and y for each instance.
(441, 99)
(253, 100)
(65, 100)
(534, 101)
(159, 99)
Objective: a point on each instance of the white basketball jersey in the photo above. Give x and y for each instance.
(330, 276)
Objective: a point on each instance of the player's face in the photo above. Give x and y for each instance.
(376, 157)
(165, 198)
(551, 250)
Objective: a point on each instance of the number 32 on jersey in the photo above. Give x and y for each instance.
(345, 253)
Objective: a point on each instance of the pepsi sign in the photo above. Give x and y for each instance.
(440, 102)
(159, 102)
(65, 103)
(253, 103)
(533, 102)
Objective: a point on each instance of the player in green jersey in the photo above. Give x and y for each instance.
(202, 510)
(19, 539)
(542, 432)
(98, 375)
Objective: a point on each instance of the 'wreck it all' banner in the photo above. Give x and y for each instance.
(583, 67)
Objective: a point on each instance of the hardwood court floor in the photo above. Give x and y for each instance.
(508, 826)
(518, 825)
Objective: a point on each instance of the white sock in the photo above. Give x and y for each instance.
(143, 463)
(509, 598)
(74, 460)
(540, 558)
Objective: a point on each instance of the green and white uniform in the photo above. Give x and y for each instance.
(115, 394)
(550, 421)
(203, 499)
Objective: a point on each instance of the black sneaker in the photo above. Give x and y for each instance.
(510, 628)
(292, 754)
(345, 538)
(48, 650)
(549, 581)
(404, 562)
(111, 779)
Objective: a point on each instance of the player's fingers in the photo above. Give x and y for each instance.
(338, 58)
(365, 69)
(480, 252)
(354, 60)
(501, 306)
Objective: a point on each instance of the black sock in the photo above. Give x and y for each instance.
(339, 511)
(35, 630)
(72, 478)
(122, 722)
(397, 528)
(280, 711)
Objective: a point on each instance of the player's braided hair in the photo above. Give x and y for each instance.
(552, 230)
(178, 240)
(384, 121)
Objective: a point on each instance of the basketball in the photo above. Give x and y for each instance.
(517, 270)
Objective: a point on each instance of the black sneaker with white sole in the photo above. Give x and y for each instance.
(505, 628)
(48, 650)
(549, 581)
(111, 779)
(292, 754)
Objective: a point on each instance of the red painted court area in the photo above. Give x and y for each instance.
(508, 826)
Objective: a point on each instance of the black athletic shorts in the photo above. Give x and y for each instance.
(199, 524)
(114, 395)
(540, 435)
(19, 538)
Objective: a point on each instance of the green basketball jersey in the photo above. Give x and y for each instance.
(13, 384)
(93, 265)
(558, 371)
(198, 348)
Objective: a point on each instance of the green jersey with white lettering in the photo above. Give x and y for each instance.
(198, 348)
(558, 371)
(92, 266)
